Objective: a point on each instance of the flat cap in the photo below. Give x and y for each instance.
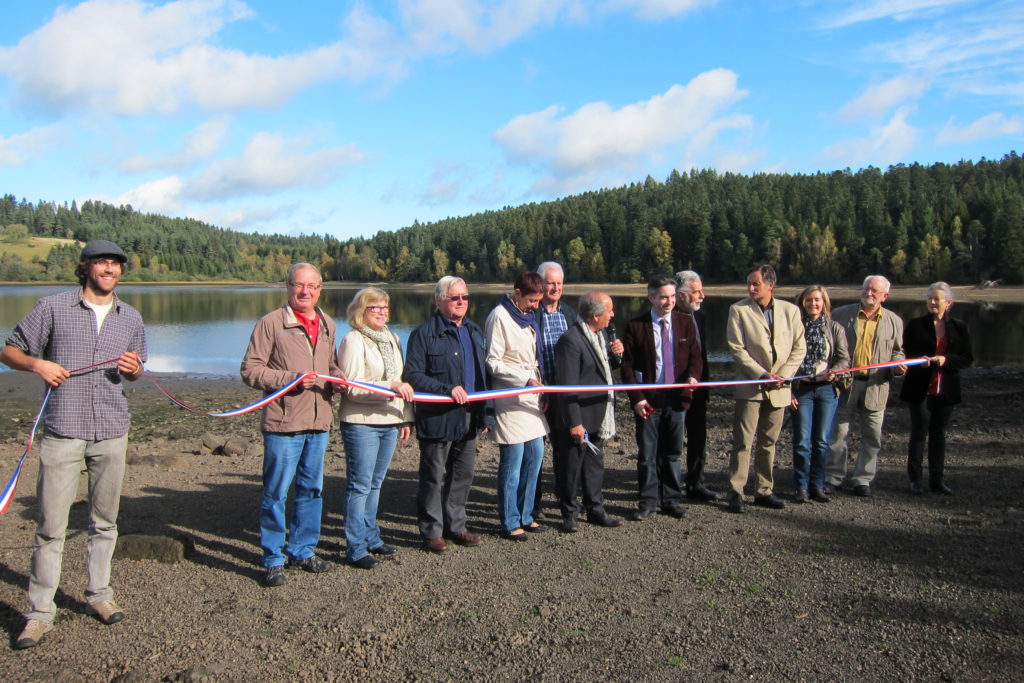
(103, 248)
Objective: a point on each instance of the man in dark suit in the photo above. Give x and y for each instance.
(660, 348)
(689, 297)
(583, 355)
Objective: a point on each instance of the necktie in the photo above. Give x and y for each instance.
(667, 357)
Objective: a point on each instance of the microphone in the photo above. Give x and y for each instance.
(612, 336)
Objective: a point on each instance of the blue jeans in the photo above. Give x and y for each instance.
(288, 456)
(812, 423)
(518, 467)
(368, 452)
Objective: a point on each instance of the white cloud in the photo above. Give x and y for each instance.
(878, 99)
(993, 125)
(658, 9)
(23, 148)
(598, 139)
(271, 163)
(899, 10)
(157, 196)
(884, 145)
(245, 219)
(199, 145)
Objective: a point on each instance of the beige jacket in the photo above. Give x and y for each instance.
(888, 347)
(359, 358)
(751, 346)
(512, 362)
(278, 352)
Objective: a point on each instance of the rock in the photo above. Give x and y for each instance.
(146, 547)
(212, 442)
(235, 446)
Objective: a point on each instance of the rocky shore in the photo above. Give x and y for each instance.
(893, 586)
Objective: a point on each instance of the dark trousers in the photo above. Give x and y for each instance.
(696, 438)
(928, 421)
(577, 465)
(446, 477)
(659, 440)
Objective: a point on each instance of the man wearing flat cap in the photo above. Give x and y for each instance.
(83, 343)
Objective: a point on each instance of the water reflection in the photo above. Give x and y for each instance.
(205, 329)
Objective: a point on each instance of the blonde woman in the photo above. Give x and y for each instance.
(371, 424)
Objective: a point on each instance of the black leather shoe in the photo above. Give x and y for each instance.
(818, 496)
(770, 501)
(735, 503)
(915, 488)
(604, 520)
(862, 490)
(536, 528)
(514, 537)
(640, 515)
(676, 511)
(569, 526)
(829, 489)
(384, 550)
(800, 496)
(942, 488)
(701, 494)
(366, 562)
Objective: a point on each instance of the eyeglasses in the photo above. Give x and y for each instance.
(458, 297)
(382, 308)
(300, 286)
(106, 262)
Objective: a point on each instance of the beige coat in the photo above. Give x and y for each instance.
(888, 347)
(359, 358)
(512, 362)
(751, 346)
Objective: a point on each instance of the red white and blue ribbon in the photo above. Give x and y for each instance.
(8, 494)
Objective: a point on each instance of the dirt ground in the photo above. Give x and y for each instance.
(889, 587)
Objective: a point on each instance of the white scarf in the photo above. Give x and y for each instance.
(607, 430)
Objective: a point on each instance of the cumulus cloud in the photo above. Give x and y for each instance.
(880, 98)
(23, 148)
(270, 163)
(993, 125)
(598, 138)
(199, 145)
(157, 196)
(884, 145)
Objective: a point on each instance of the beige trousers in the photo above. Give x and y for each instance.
(754, 420)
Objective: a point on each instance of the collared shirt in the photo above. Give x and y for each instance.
(866, 328)
(88, 405)
(468, 358)
(769, 317)
(659, 370)
(553, 325)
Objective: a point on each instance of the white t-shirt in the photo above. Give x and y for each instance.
(101, 311)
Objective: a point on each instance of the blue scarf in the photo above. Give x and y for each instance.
(525, 320)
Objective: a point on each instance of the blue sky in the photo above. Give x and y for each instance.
(347, 118)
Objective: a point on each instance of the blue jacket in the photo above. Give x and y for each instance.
(433, 365)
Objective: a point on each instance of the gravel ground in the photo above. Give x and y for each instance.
(894, 586)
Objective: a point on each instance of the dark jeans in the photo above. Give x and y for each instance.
(446, 477)
(696, 438)
(812, 423)
(659, 440)
(576, 465)
(928, 420)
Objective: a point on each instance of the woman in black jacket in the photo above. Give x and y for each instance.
(932, 390)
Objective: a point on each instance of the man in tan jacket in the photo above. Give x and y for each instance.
(294, 339)
(766, 338)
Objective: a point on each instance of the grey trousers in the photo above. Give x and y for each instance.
(60, 465)
(446, 477)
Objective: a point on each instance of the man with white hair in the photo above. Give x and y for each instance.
(689, 297)
(875, 335)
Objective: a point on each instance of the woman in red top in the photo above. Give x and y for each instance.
(932, 390)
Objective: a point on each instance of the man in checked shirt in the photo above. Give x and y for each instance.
(86, 423)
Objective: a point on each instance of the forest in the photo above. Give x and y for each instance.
(963, 223)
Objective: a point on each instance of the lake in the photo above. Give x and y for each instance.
(197, 329)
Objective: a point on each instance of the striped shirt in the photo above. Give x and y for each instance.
(89, 405)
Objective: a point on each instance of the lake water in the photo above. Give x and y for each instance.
(205, 329)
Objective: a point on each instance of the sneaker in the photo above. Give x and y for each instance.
(106, 611)
(32, 633)
(384, 550)
(800, 496)
(275, 576)
(314, 564)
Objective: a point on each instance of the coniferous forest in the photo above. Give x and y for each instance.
(962, 223)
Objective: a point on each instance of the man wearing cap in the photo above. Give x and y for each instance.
(84, 343)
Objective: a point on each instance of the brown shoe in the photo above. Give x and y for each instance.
(106, 611)
(435, 545)
(32, 633)
(466, 539)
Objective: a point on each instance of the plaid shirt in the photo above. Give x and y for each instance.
(553, 326)
(89, 405)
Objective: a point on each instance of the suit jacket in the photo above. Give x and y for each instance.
(888, 346)
(638, 358)
(576, 362)
(751, 344)
(919, 340)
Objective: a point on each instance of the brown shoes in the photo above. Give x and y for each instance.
(106, 611)
(32, 633)
(435, 545)
(466, 539)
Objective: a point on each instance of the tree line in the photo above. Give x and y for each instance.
(962, 223)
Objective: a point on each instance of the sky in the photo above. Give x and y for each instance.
(347, 118)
